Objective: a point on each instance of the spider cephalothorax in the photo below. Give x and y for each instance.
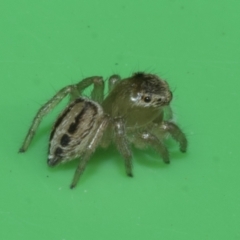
(132, 112)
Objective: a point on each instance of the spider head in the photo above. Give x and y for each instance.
(139, 99)
(149, 91)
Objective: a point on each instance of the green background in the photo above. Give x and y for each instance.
(195, 46)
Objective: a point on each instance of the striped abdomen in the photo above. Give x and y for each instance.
(73, 130)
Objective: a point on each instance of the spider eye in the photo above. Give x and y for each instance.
(147, 99)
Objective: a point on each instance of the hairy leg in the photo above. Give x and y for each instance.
(148, 139)
(97, 92)
(113, 81)
(122, 144)
(74, 91)
(92, 145)
(176, 134)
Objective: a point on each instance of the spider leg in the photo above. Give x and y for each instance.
(122, 144)
(97, 92)
(92, 145)
(176, 134)
(45, 109)
(113, 81)
(74, 91)
(148, 139)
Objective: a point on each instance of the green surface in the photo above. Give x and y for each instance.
(195, 45)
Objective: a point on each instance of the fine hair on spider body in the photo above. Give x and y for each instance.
(134, 112)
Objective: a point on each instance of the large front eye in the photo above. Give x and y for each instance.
(147, 99)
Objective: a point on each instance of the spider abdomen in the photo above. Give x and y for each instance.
(73, 130)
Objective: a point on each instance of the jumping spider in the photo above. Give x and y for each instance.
(133, 112)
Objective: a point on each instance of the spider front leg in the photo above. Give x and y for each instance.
(145, 139)
(122, 144)
(74, 91)
(164, 128)
(176, 134)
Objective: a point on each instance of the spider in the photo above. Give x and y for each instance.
(136, 111)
